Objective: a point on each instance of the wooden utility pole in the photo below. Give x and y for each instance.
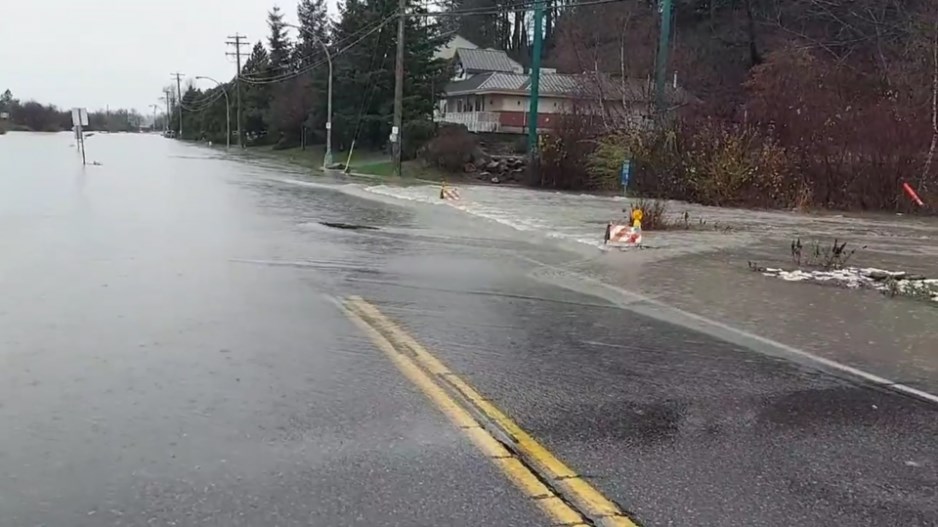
(238, 40)
(397, 125)
(168, 98)
(155, 108)
(179, 77)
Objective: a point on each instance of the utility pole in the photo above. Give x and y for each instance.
(535, 80)
(238, 40)
(661, 71)
(167, 97)
(179, 77)
(155, 108)
(397, 124)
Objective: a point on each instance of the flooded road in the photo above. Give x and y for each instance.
(188, 338)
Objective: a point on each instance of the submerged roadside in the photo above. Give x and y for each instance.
(703, 269)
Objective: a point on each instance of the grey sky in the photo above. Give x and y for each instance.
(120, 53)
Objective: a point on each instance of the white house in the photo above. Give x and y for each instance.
(491, 92)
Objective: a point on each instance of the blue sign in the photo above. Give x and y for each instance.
(626, 173)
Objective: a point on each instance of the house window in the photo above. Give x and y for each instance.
(459, 104)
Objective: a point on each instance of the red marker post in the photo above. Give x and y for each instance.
(911, 192)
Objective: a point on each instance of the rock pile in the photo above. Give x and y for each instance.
(499, 169)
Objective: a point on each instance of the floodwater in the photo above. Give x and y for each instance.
(172, 352)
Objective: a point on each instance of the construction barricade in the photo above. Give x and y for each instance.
(449, 193)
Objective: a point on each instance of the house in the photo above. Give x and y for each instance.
(490, 92)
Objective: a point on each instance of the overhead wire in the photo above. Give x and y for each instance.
(369, 93)
(511, 8)
(293, 74)
(202, 104)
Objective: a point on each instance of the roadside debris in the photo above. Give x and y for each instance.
(890, 283)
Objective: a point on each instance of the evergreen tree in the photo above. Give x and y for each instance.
(314, 25)
(278, 42)
(254, 92)
(6, 101)
(364, 76)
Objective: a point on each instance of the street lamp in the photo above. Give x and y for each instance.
(227, 109)
(327, 158)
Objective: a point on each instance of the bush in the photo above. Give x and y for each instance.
(707, 161)
(451, 149)
(654, 214)
(416, 135)
(604, 164)
(564, 156)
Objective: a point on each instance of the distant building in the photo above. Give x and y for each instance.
(491, 92)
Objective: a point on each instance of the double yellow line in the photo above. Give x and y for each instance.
(559, 491)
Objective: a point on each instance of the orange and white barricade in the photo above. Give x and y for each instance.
(623, 235)
(449, 193)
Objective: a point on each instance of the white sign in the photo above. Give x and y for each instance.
(79, 117)
(393, 130)
(328, 125)
(4, 115)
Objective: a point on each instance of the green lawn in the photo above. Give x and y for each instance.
(365, 162)
(411, 169)
(312, 156)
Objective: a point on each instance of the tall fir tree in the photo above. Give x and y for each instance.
(313, 21)
(278, 42)
(364, 78)
(256, 97)
(314, 33)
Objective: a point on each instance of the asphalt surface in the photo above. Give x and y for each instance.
(171, 353)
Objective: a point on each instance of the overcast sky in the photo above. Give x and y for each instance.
(95, 53)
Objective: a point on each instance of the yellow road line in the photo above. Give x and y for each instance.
(577, 490)
(559, 511)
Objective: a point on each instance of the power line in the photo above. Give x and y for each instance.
(307, 69)
(301, 71)
(512, 8)
(202, 104)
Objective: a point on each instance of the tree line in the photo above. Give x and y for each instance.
(829, 103)
(32, 116)
(284, 79)
(798, 103)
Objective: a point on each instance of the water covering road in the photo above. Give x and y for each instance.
(172, 352)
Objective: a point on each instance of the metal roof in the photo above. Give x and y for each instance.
(551, 84)
(562, 85)
(480, 60)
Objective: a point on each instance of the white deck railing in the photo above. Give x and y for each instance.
(474, 121)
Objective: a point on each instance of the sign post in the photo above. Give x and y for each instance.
(625, 175)
(80, 119)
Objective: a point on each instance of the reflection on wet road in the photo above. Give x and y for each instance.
(174, 350)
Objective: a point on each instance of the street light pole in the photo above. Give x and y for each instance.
(227, 109)
(327, 158)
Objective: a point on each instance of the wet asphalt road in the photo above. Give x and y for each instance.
(171, 354)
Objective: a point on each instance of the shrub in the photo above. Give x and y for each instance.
(564, 155)
(416, 135)
(604, 164)
(708, 161)
(654, 214)
(451, 149)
